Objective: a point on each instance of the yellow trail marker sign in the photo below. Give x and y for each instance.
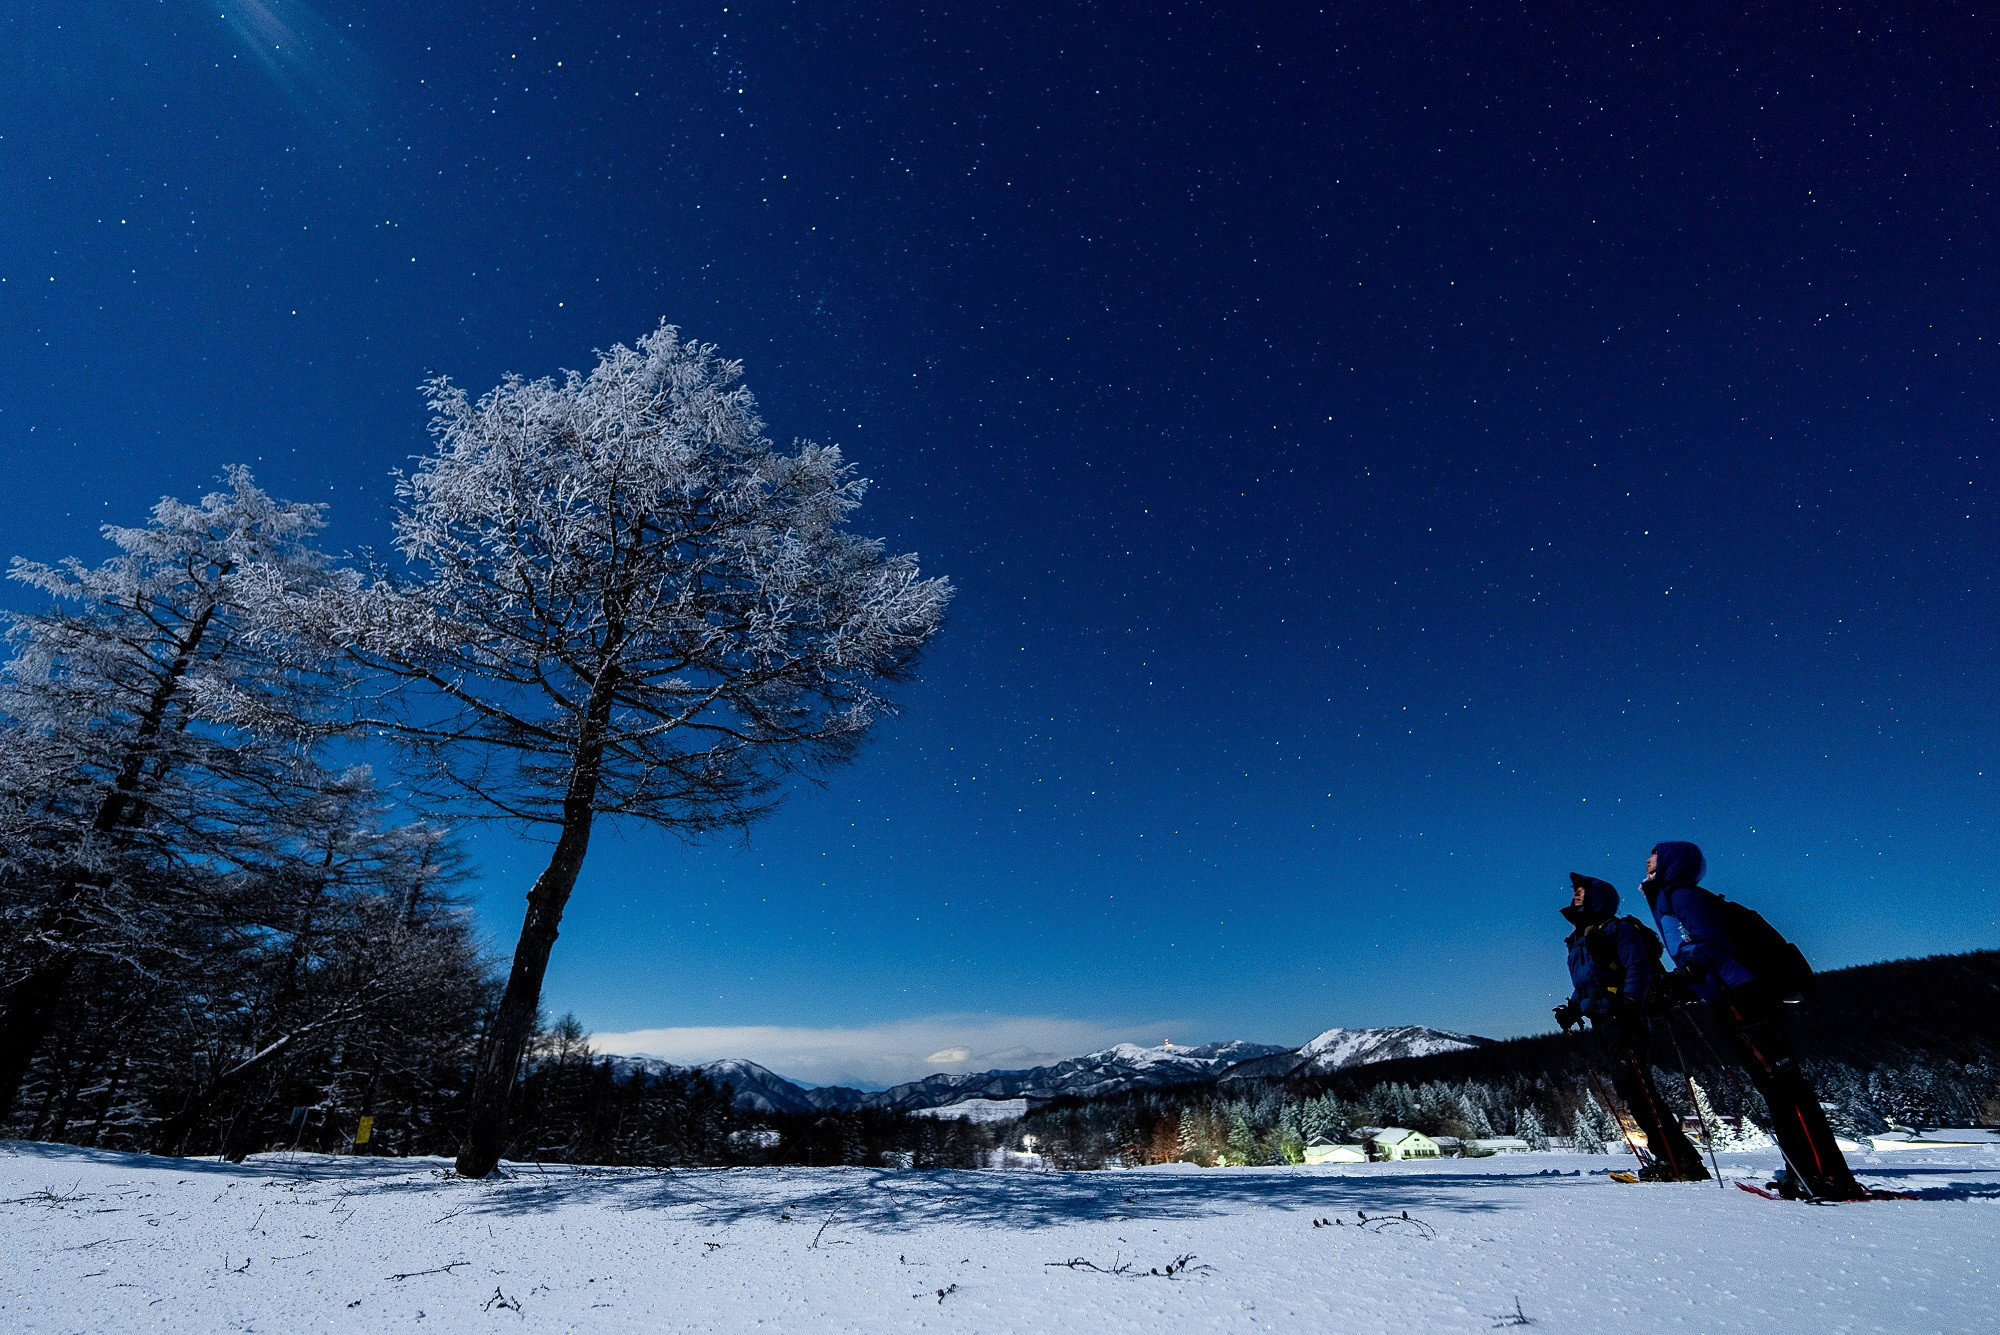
(365, 1130)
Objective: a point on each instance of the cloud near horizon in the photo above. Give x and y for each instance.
(894, 1051)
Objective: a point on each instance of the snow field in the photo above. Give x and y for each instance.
(96, 1241)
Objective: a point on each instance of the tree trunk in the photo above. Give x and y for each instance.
(500, 1057)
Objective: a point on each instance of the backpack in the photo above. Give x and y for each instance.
(1764, 951)
(1650, 945)
(1650, 940)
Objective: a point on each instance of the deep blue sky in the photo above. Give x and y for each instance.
(1388, 456)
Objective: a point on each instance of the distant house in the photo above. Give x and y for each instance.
(1321, 1150)
(1399, 1142)
(1495, 1145)
(1729, 1124)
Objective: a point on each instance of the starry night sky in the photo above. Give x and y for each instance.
(1389, 456)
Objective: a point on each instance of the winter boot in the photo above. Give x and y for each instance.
(1788, 1186)
(1659, 1172)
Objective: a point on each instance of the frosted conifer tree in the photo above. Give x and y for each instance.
(1713, 1133)
(1529, 1129)
(1187, 1137)
(1242, 1141)
(621, 599)
(1588, 1130)
(1321, 1116)
(1437, 1110)
(1397, 1103)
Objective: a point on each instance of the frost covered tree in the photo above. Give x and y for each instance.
(1713, 1130)
(620, 599)
(114, 784)
(1202, 1137)
(1324, 1116)
(1396, 1104)
(1529, 1129)
(1242, 1140)
(1319, 1116)
(1473, 1116)
(1589, 1127)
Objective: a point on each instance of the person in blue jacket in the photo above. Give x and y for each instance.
(1612, 964)
(1709, 968)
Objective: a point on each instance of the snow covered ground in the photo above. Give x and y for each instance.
(94, 1241)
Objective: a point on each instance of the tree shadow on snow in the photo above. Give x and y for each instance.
(1909, 1178)
(890, 1201)
(279, 1165)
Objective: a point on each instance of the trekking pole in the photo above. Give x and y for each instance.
(1611, 1104)
(1797, 1177)
(1707, 1137)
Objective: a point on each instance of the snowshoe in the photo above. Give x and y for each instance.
(1884, 1194)
(1619, 1175)
(1785, 1187)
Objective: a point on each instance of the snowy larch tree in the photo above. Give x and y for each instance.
(620, 599)
(109, 771)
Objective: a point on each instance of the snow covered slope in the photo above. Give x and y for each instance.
(1337, 1049)
(111, 1242)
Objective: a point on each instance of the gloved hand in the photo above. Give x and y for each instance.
(1674, 989)
(1568, 1013)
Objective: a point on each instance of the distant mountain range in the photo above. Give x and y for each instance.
(1338, 1049)
(1114, 1070)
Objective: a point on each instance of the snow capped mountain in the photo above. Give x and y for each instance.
(1338, 1048)
(1205, 1056)
(759, 1088)
(1112, 1070)
(755, 1087)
